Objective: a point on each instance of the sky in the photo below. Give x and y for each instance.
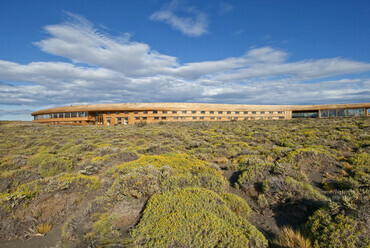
(59, 53)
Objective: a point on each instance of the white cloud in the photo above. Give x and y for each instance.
(107, 69)
(192, 23)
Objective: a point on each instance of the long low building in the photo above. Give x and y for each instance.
(131, 113)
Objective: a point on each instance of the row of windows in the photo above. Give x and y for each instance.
(196, 118)
(195, 112)
(342, 112)
(60, 115)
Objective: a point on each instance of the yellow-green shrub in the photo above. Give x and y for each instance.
(193, 217)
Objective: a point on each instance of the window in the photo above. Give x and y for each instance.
(269, 117)
(80, 122)
(126, 112)
(220, 112)
(194, 117)
(237, 112)
(145, 118)
(55, 115)
(229, 117)
(119, 120)
(245, 112)
(155, 112)
(81, 114)
(202, 112)
(246, 118)
(156, 118)
(145, 112)
(202, 118)
(281, 117)
(175, 117)
(108, 113)
(219, 117)
(280, 112)
(252, 118)
(212, 117)
(271, 112)
(137, 118)
(235, 118)
(228, 112)
(184, 111)
(74, 114)
(262, 112)
(136, 112)
(117, 113)
(174, 112)
(253, 113)
(193, 112)
(211, 112)
(163, 117)
(183, 117)
(164, 112)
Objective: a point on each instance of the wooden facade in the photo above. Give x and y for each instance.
(131, 113)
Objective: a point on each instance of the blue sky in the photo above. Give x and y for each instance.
(57, 53)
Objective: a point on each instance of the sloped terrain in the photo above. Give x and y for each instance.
(226, 184)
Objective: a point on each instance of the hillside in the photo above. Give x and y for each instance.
(227, 184)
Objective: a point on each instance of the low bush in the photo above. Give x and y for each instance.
(193, 217)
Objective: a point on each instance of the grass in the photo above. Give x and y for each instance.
(291, 238)
(318, 167)
(44, 228)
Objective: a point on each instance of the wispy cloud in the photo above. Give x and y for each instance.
(225, 8)
(106, 69)
(188, 20)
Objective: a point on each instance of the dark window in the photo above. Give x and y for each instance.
(119, 118)
(184, 111)
(117, 113)
(280, 112)
(156, 118)
(144, 118)
(237, 112)
(163, 117)
(202, 112)
(137, 118)
(252, 117)
(245, 112)
(175, 117)
(281, 117)
(202, 118)
(108, 113)
(68, 115)
(262, 112)
(229, 117)
(155, 112)
(145, 112)
(194, 117)
(212, 117)
(271, 112)
(253, 112)
(183, 117)
(246, 118)
(164, 112)
(136, 112)
(211, 112)
(228, 112)
(269, 117)
(220, 112)
(126, 112)
(174, 112)
(235, 118)
(193, 112)
(219, 118)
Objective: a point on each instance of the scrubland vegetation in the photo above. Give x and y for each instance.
(292, 183)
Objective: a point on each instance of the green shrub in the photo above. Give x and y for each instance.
(304, 189)
(237, 204)
(183, 170)
(327, 231)
(193, 217)
(51, 164)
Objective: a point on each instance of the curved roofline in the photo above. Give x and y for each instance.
(191, 106)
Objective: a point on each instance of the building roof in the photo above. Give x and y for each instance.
(192, 106)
